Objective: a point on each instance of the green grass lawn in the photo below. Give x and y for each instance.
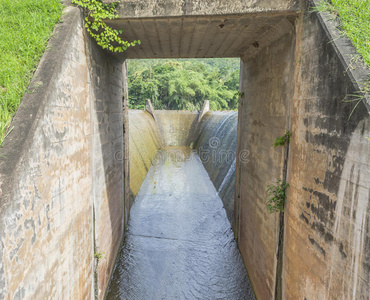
(355, 21)
(25, 28)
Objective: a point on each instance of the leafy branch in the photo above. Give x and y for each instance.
(281, 140)
(105, 36)
(276, 196)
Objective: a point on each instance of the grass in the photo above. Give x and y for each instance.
(355, 22)
(25, 28)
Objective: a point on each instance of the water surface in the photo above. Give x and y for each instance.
(179, 243)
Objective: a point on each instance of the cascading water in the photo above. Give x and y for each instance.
(216, 145)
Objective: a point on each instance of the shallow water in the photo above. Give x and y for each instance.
(179, 243)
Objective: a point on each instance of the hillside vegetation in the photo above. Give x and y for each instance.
(25, 27)
(184, 83)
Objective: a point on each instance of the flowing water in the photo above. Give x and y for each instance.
(179, 243)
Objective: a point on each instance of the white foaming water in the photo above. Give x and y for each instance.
(230, 173)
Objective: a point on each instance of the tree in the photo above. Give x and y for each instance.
(184, 84)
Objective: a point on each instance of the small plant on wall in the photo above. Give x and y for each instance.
(99, 255)
(105, 36)
(276, 194)
(282, 140)
(358, 96)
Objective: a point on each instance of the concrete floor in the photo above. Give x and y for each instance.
(179, 243)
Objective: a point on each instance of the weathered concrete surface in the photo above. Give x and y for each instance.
(327, 252)
(179, 243)
(267, 84)
(62, 196)
(202, 36)
(145, 141)
(107, 154)
(204, 110)
(177, 127)
(179, 8)
(215, 142)
(126, 143)
(197, 29)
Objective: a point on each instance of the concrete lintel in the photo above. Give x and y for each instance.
(205, 109)
(171, 8)
(149, 108)
(202, 36)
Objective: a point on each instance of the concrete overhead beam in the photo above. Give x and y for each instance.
(176, 8)
(203, 36)
(202, 28)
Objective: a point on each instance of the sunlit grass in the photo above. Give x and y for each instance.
(25, 27)
(355, 22)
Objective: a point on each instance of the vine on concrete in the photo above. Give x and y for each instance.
(276, 196)
(282, 140)
(105, 36)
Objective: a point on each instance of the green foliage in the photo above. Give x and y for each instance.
(99, 255)
(282, 140)
(355, 22)
(184, 84)
(276, 196)
(25, 27)
(105, 36)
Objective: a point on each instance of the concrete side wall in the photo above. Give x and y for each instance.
(177, 127)
(267, 85)
(171, 8)
(62, 193)
(107, 154)
(215, 142)
(126, 129)
(327, 245)
(145, 141)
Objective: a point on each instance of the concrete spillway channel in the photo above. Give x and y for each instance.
(64, 165)
(179, 243)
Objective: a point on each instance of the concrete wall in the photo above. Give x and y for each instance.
(62, 192)
(299, 83)
(145, 141)
(215, 142)
(177, 127)
(108, 155)
(327, 245)
(267, 83)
